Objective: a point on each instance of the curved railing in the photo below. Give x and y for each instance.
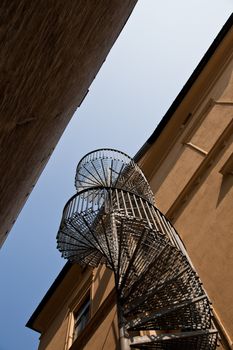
(112, 220)
(111, 168)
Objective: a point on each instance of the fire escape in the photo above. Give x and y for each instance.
(112, 220)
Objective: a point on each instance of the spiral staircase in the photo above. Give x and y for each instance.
(112, 220)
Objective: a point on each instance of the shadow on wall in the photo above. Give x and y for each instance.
(112, 330)
(226, 185)
(102, 279)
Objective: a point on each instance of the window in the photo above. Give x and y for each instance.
(81, 317)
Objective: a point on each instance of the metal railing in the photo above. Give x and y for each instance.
(112, 220)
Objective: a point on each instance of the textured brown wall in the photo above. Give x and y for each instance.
(50, 53)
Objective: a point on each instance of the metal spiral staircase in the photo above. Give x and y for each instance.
(112, 220)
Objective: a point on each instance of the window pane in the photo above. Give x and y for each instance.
(81, 318)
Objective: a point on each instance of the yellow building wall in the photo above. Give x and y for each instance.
(106, 336)
(192, 189)
(55, 336)
(58, 333)
(211, 114)
(103, 283)
(206, 226)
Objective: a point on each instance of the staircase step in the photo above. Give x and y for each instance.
(137, 324)
(156, 268)
(195, 340)
(174, 289)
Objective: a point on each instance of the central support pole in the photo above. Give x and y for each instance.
(123, 340)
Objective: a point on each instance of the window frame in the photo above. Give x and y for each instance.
(78, 314)
(84, 290)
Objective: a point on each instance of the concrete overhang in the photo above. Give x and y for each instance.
(50, 53)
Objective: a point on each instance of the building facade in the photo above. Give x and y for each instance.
(58, 312)
(188, 162)
(50, 55)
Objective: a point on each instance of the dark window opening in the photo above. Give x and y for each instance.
(81, 318)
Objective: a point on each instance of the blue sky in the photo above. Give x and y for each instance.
(152, 59)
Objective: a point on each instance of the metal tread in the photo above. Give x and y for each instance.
(198, 340)
(112, 221)
(144, 319)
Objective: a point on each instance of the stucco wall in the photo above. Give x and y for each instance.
(59, 320)
(106, 336)
(193, 189)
